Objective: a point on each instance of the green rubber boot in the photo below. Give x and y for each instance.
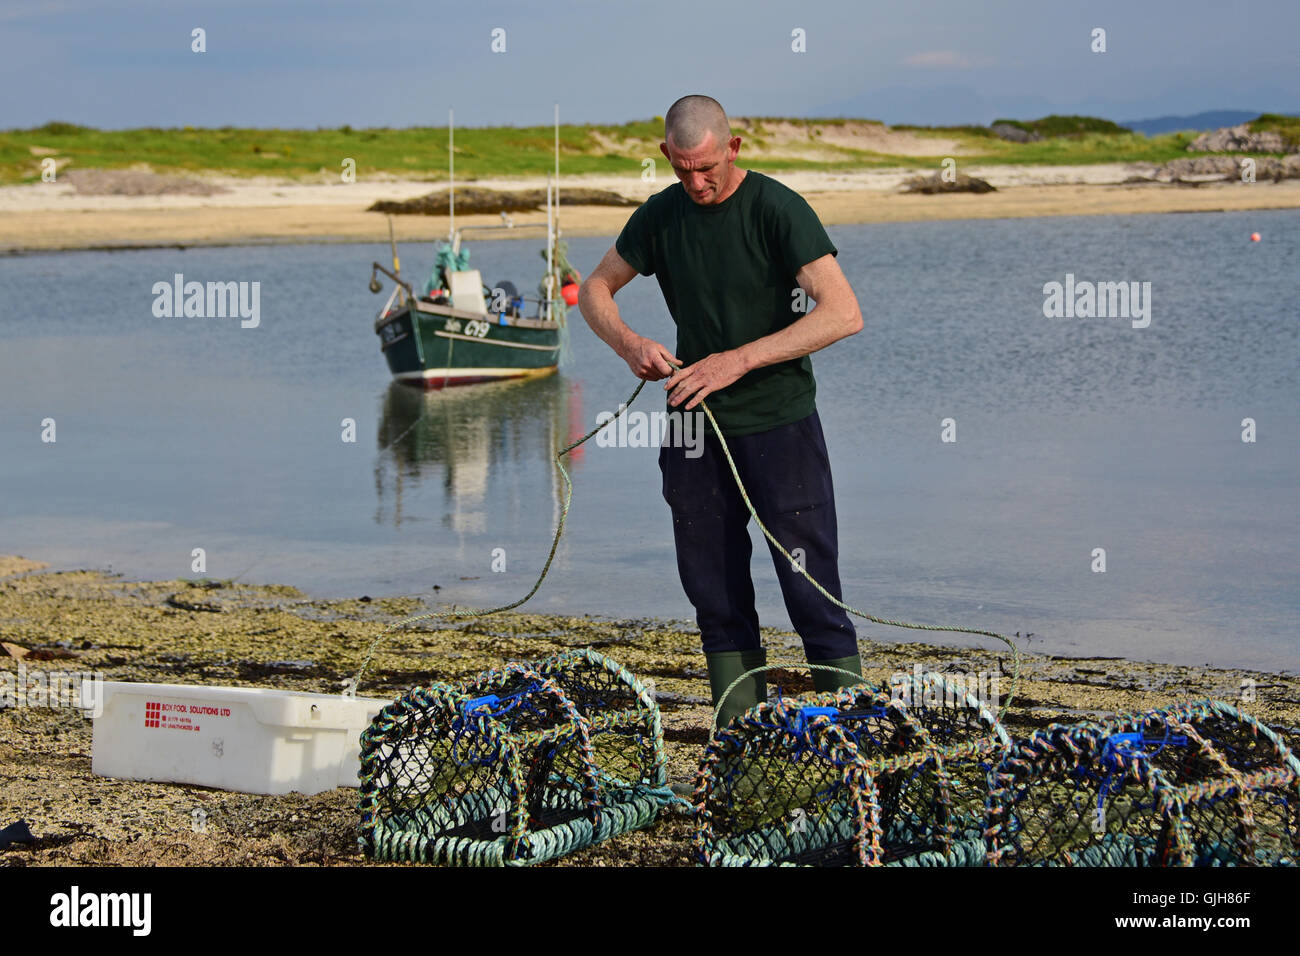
(831, 680)
(725, 667)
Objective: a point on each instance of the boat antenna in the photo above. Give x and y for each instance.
(451, 174)
(550, 245)
(397, 264)
(392, 244)
(557, 170)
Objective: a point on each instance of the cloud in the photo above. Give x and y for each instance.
(946, 60)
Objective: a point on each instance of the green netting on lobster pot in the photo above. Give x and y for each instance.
(622, 717)
(849, 778)
(784, 785)
(503, 769)
(1082, 795)
(973, 744)
(1235, 783)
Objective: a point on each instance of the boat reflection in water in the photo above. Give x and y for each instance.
(492, 445)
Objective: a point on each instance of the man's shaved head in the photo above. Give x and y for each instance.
(699, 144)
(692, 118)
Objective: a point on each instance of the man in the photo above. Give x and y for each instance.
(728, 247)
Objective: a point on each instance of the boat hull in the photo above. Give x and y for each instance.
(438, 346)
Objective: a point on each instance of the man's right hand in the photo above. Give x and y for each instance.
(648, 359)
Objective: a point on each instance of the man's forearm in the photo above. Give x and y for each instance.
(601, 312)
(816, 330)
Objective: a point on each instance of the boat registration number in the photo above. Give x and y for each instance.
(392, 332)
(475, 327)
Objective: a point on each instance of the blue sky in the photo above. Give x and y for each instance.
(403, 63)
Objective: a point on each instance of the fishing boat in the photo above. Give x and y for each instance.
(458, 331)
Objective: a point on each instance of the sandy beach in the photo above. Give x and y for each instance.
(54, 216)
(269, 636)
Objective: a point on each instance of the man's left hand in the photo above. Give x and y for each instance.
(708, 375)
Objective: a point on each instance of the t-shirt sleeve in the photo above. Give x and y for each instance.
(800, 235)
(636, 242)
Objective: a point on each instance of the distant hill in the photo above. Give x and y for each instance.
(1054, 125)
(1211, 119)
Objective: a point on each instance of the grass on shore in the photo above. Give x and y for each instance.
(1288, 126)
(500, 152)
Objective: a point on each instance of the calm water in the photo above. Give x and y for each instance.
(1073, 434)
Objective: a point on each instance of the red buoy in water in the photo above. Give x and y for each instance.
(1254, 237)
(570, 293)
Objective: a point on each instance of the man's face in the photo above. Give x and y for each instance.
(705, 170)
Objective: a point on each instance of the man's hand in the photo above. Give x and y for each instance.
(648, 359)
(708, 375)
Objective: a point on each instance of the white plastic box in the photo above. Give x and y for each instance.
(248, 739)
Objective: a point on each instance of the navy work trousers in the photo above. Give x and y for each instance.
(788, 476)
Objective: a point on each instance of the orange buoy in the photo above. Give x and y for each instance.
(570, 293)
(1254, 237)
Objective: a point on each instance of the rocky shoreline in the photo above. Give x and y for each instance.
(212, 632)
(1199, 170)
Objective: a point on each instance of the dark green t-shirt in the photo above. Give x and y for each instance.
(727, 272)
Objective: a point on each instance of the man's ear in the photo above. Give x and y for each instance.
(663, 148)
(733, 148)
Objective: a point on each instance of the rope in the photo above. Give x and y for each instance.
(740, 485)
(546, 567)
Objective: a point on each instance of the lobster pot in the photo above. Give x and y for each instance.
(972, 742)
(784, 785)
(1081, 795)
(1235, 784)
(506, 769)
(853, 778)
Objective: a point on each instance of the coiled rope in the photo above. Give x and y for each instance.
(454, 614)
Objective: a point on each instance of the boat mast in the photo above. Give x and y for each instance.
(550, 252)
(553, 223)
(451, 176)
(557, 170)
